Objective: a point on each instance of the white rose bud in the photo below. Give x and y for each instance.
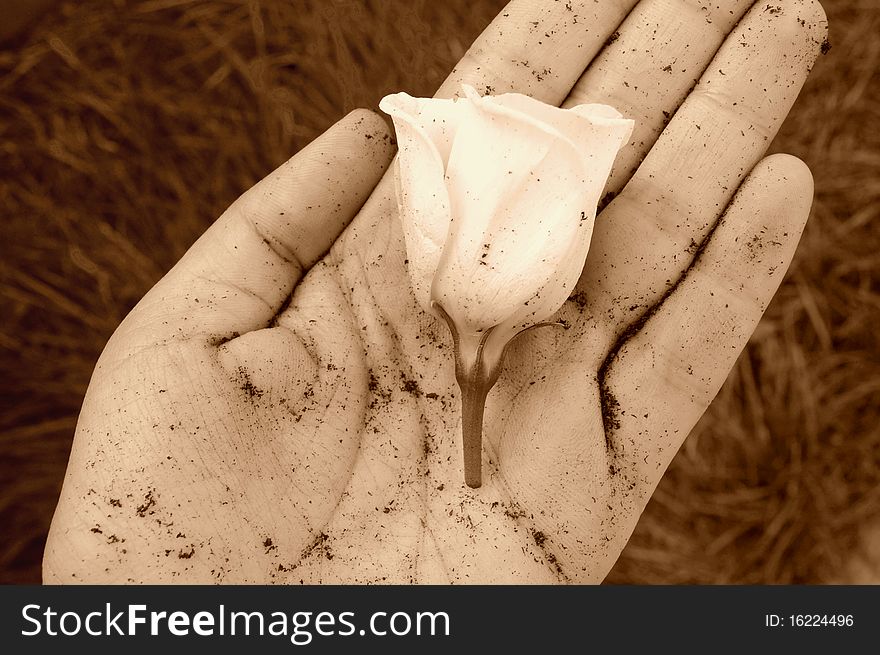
(497, 198)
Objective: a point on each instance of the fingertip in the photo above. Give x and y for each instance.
(364, 119)
(373, 128)
(786, 168)
(807, 23)
(515, 54)
(811, 16)
(790, 178)
(796, 16)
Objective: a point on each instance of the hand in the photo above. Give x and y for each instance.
(229, 434)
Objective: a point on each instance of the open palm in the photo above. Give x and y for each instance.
(272, 413)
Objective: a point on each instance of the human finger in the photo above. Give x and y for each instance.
(650, 64)
(647, 236)
(238, 275)
(537, 48)
(672, 367)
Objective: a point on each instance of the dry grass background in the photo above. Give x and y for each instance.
(126, 126)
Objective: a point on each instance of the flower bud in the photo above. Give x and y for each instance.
(497, 198)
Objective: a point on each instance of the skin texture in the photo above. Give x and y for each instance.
(272, 413)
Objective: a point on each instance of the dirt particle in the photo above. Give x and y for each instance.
(409, 386)
(320, 545)
(605, 201)
(539, 538)
(246, 385)
(579, 298)
(610, 413)
(381, 396)
(220, 340)
(149, 502)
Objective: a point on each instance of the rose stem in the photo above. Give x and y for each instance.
(475, 378)
(473, 402)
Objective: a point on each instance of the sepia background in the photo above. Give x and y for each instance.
(127, 126)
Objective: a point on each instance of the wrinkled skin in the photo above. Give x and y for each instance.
(229, 435)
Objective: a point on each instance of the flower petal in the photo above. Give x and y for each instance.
(518, 191)
(425, 130)
(598, 132)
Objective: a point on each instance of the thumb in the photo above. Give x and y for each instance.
(241, 271)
